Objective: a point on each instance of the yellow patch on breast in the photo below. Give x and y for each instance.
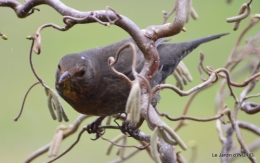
(69, 93)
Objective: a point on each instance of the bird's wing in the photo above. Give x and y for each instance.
(124, 63)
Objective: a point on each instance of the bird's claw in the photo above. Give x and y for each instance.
(127, 127)
(93, 127)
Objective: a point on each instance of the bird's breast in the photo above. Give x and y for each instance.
(71, 95)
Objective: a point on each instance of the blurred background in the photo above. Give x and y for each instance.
(36, 128)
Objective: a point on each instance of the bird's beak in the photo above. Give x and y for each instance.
(64, 76)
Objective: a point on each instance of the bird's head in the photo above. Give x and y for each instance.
(75, 76)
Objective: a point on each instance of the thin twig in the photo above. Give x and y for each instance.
(72, 145)
(239, 136)
(24, 99)
(71, 129)
(126, 146)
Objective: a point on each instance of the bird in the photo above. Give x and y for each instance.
(85, 81)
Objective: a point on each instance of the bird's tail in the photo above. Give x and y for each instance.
(172, 54)
(195, 43)
(187, 47)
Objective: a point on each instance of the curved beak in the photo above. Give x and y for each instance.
(64, 76)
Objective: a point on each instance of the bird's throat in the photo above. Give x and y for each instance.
(71, 95)
(68, 92)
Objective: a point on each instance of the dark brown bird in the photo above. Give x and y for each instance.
(85, 81)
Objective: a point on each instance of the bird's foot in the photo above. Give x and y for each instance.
(93, 127)
(128, 127)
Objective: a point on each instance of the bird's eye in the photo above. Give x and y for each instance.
(81, 73)
(58, 66)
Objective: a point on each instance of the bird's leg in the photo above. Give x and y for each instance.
(133, 131)
(93, 127)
